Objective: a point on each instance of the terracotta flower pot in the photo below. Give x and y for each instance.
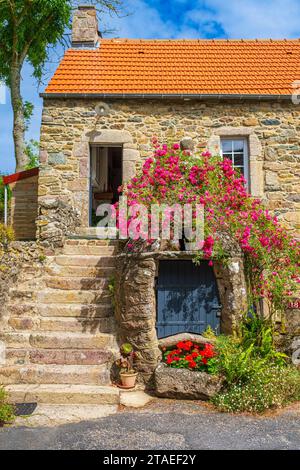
(128, 379)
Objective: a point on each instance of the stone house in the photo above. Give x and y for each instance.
(106, 101)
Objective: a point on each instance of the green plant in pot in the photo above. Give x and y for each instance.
(128, 375)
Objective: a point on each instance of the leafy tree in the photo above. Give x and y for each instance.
(28, 31)
(32, 152)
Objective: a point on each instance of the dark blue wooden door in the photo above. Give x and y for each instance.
(187, 298)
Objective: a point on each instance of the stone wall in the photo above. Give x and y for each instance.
(69, 126)
(55, 222)
(20, 262)
(24, 208)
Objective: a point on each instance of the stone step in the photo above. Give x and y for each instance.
(20, 295)
(66, 340)
(92, 234)
(22, 309)
(57, 340)
(24, 323)
(16, 340)
(79, 324)
(80, 271)
(92, 261)
(34, 311)
(56, 415)
(89, 250)
(60, 356)
(63, 394)
(90, 311)
(76, 283)
(75, 241)
(54, 296)
(55, 374)
(91, 325)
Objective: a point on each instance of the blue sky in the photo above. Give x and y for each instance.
(168, 19)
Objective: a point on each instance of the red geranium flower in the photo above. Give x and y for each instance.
(192, 364)
(189, 357)
(185, 345)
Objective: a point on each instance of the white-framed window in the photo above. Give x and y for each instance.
(236, 149)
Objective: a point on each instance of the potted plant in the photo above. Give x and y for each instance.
(128, 375)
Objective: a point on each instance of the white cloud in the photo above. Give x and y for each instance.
(252, 18)
(146, 21)
(143, 21)
(238, 19)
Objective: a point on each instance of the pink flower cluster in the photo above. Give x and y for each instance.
(171, 176)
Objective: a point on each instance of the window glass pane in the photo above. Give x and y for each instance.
(236, 151)
(238, 145)
(238, 159)
(227, 146)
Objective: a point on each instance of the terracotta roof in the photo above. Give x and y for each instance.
(127, 66)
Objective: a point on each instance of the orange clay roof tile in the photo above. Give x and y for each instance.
(128, 66)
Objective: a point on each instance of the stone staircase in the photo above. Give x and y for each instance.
(60, 333)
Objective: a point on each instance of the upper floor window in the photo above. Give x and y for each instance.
(236, 150)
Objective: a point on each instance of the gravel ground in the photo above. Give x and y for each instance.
(164, 425)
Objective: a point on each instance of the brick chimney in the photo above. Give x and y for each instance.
(85, 27)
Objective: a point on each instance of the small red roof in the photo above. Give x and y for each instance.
(21, 175)
(212, 67)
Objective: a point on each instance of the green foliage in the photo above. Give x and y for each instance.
(126, 349)
(6, 411)
(28, 112)
(32, 151)
(209, 333)
(126, 361)
(259, 332)
(6, 234)
(270, 387)
(28, 29)
(238, 358)
(257, 376)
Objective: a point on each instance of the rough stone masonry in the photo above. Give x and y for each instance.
(69, 126)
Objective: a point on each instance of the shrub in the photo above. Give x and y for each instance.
(235, 362)
(269, 387)
(239, 358)
(271, 255)
(257, 376)
(6, 411)
(6, 234)
(259, 332)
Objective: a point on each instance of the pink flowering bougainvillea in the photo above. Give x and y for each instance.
(271, 255)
